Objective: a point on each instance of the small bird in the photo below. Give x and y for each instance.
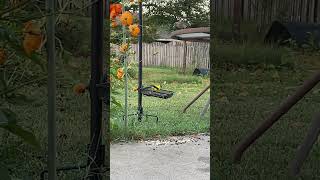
(156, 87)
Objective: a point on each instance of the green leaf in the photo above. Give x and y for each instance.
(115, 92)
(3, 83)
(3, 119)
(7, 117)
(66, 56)
(114, 101)
(4, 173)
(35, 58)
(19, 99)
(27, 136)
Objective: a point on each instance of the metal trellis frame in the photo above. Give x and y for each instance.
(99, 94)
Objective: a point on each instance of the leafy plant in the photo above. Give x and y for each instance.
(21, 66)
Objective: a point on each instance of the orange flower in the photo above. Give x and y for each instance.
(134, 30)
(120, 73)
(79, 89)
(118, 8)
(31, 27)
(124, 48)
(115, 10)
(114, 24)
(3, 56)
(126, 18)
(113, 14)
(31, 43)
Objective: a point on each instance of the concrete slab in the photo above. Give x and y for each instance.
(175, 158)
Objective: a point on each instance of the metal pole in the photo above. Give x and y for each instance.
(140, 109)
(52, 164)
(124, 37)
(205, 108)
(306, 146)
(196, 98)
(275, 116)
(95, 161)
(108, 90)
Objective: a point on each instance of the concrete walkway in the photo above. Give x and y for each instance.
(176, 158)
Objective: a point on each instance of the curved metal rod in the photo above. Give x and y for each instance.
(275, 116)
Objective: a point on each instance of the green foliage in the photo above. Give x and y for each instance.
(4, 173)
(252, 54)
(18, 72)
(69, 29)
(193, 12)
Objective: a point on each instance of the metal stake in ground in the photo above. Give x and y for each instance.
(306, 146)
(283, 109)
(96, 150)
(196, 98)
(52, 169)
(140, 109)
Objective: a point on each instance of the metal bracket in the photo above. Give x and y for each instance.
(99, 158)
(141, 115)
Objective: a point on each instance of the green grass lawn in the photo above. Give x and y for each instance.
(242, 100)
(73, 119)
(171, 119)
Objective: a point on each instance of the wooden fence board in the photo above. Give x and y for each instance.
(171, 54)
(306, 11)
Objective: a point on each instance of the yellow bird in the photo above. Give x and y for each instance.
(156, 87)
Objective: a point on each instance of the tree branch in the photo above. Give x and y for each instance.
(20, 5)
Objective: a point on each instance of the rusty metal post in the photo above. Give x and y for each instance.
(275, 116)
(306, 146)
(197, 97)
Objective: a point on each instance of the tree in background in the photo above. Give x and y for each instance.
(162, 17)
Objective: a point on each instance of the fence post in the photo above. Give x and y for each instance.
(236, 19)
(184, 57)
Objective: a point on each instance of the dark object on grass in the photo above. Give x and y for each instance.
(201, 72)
(300, 33)
(152, 91)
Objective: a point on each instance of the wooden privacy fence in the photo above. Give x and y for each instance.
(174, 54)
(266, 11)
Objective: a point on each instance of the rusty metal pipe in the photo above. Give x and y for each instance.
(275, 116)
(196, 98)
(306, 146)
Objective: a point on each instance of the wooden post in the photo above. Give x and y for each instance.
(184, 57)
(236, 19)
